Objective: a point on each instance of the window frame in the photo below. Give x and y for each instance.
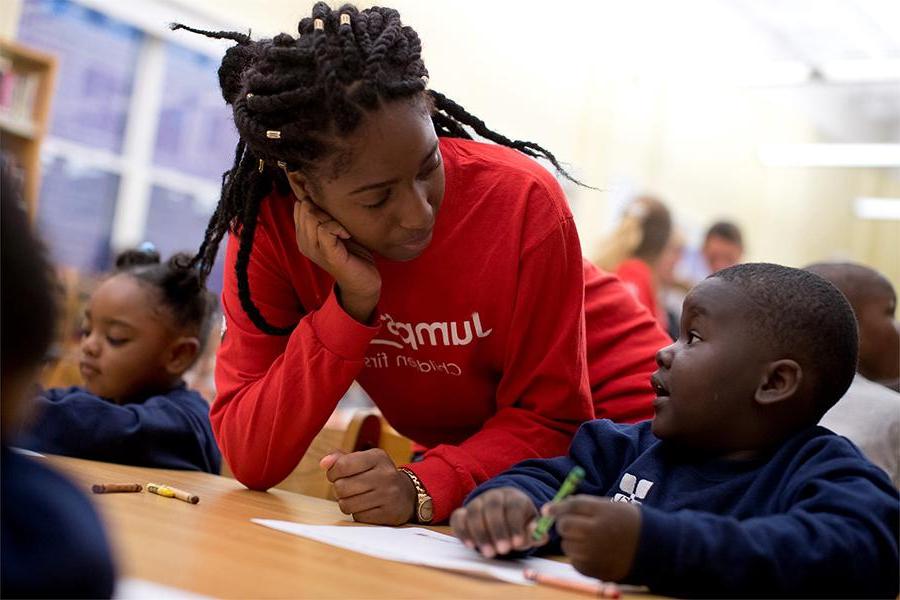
(134, 166)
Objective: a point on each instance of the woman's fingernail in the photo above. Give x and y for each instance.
(518, 540)
(488, 551)
(469, 544)
(503, 547)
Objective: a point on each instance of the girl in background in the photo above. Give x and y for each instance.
(143, 328)
(634, 251)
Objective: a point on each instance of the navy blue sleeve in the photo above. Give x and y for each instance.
(538, 478)
(837, 536)
(170, 431)
(600, 447)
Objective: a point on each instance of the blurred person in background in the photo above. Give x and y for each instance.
(672, 290)
(869, 413)
(723, 247)
(52, 543)
(636, 250)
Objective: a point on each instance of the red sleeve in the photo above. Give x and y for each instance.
(622, 341)
(270, 403)
(543, 395)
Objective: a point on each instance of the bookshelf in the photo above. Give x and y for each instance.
(26, 89)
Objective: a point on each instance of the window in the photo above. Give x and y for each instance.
(195, 134)
(76, 212)
(175, 217)
(139, 134)
(97, 59)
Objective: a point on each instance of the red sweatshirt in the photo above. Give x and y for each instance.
(478, 353)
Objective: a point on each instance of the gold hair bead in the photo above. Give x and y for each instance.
(345, 19)
(261, 165)
(318, 24)
(424, 79)
(273, 134)
(249, 96)
(281, 164)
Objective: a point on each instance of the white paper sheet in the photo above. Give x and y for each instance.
(419, 546)
(27, 452)
(141, 589)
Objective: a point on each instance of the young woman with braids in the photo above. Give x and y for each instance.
(372, 239)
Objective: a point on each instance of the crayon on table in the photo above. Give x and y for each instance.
(598, 589)
(569, 485)
(112, 488)
(171, 492)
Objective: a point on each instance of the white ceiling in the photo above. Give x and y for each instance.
(855, 38)
(819, 31)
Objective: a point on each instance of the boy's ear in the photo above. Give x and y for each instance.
(182, 353)
(780, 381)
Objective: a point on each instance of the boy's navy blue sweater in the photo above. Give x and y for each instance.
(814, 518)
(51, 542)
(170, 431)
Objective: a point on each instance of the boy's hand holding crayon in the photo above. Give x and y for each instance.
(600, 537)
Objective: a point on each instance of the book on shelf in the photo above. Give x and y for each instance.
(18, 91)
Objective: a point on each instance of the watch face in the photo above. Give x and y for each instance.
(425, 511)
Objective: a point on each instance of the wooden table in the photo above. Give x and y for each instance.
(212, 548)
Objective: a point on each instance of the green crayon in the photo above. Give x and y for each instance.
(569, 485)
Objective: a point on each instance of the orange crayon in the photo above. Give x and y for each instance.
(598, 589)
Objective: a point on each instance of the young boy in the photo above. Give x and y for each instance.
(874, 301)
(731, 489)
(51, 542)
(869, 413)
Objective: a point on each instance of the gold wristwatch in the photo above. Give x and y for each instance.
(424, 507)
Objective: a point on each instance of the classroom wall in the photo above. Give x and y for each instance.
(628, 115)
(562, 79)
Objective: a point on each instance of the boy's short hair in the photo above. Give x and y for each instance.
(804, 317)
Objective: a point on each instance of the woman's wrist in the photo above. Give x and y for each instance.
(358, 306)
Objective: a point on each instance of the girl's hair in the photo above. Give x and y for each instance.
(180, 285)
(291, 96)
(642, 233)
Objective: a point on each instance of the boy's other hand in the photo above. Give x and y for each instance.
(599, 536)
(497, 522)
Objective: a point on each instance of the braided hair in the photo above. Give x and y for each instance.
(290, 96)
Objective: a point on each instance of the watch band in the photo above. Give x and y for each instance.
(422, 497)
